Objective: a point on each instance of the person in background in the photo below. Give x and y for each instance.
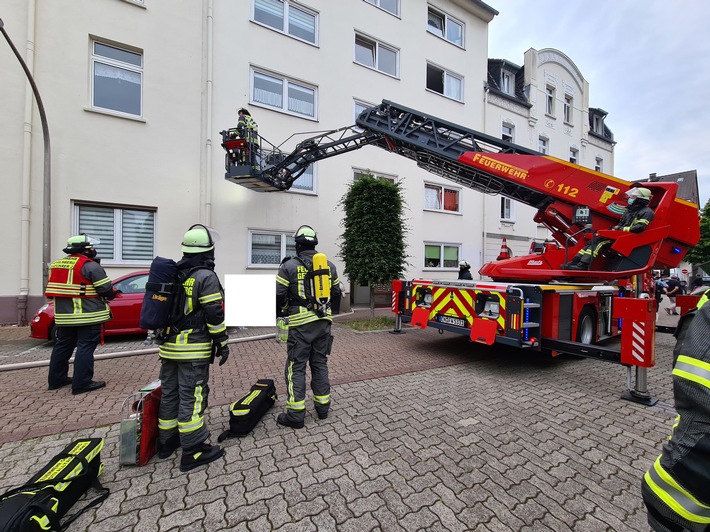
(465, 270)
(659, 288)
(672, 291)
(697, 281)
(80, 288)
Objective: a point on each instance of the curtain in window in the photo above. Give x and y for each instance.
(265, 249)
(436, 24)
(432, 256)
(305, 181)
(301, 100)
(389, 5)
(451, 200)
(302, 25)
(452, 87)
(451, 256)
(454, 32)
(268, 90)
(269, 12)
(137, 235)
(97, 222)
(432, 197)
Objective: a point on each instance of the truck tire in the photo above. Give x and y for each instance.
(586, 326)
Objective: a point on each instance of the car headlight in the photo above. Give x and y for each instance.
(43, 308)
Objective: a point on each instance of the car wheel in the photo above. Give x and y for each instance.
(52, 336)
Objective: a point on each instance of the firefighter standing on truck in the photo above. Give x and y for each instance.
(309, 319)
(676, 490)
(196, 333)
(80, 288)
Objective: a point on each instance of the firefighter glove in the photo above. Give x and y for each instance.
(223, 353)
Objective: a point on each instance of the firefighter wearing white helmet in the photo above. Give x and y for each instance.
(196, 334)
(675, 488)
(80, 288)
(465, 270)
(635, 219)
(309, 339)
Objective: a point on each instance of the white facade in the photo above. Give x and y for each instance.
(157, 164)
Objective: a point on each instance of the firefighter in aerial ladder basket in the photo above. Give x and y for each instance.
(676, 489)
(635, 219)
(249, 131)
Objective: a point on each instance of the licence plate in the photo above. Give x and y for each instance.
(459, 322)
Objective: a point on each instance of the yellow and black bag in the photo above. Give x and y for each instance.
(45, 499)
(245, 413)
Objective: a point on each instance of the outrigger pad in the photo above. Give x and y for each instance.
(484, 331)
(420, 317)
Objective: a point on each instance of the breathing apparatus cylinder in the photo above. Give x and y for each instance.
(321, 281)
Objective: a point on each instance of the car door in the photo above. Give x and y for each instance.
(126, 307)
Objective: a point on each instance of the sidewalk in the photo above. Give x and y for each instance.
(427, 432)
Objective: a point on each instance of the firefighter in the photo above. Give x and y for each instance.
(309, 338)
(80, 288)
(675, 489)
(196, 334)
(465, 270)
(249, 131)
(635, 219)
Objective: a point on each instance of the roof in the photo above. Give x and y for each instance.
(687, 184)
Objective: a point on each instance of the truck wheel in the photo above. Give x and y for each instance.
(586, 326)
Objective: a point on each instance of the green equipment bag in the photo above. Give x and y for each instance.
(45, 499)
(248, 411)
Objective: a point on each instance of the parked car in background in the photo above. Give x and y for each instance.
(125, 309)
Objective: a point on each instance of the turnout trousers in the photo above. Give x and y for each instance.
(185, 393)
(85, 338)
(308, 344)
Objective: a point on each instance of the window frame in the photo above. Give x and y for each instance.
(446, 73)
(288, 5)
(569, 109)
(550, 100)
(284, 251)
(286, 81)
(442, 253)
(543, 145)
(445, 18)
(378, 4)
(504, 134)
(442, 198)
(117, 231)
(314, 182)
(95, 58)
(377, 175)
(376, 52)
(507, 206)
(573, 155)
(507, 82)
(599, 164)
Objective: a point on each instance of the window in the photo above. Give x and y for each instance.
(542, 145)
(373, 54)
(284, 94)
(442, 25)
(268, 248)
(443, 82)
(441, 255)
(507, 82)
(285, 17)
(573, 155)
(358, 107)
(125, 235)
(598, 125)
(438, 198)
(550, 101)
(568, 108)
(359, 174)
(306, 181)
(507, 132)
(507, 211)
(116, 79)
(599, 164)
(391, 6)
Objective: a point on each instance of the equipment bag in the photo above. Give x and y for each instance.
(246, 413)
(46, 498)
(139, 426)
(160, 293)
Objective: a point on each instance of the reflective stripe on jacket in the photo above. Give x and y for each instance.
(66, 279)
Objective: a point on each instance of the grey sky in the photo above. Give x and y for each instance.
(647, 63)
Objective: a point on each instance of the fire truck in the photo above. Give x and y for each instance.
(527, 302)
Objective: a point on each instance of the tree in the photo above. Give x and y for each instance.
(373, 242)
(700, 254)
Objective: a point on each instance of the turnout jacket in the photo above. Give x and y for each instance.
(635, 219)
(80, 288)
(247, 128)
(200, 318)
(291, 289)
(677, 487)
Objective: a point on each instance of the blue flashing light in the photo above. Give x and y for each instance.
(675, 250)
(526, 313)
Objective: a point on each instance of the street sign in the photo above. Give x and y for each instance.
(684, 271)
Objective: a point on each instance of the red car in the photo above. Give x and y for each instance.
(125, 308)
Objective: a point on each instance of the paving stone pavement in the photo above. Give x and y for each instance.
(427, 432)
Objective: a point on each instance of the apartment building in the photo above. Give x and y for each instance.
(136, 92)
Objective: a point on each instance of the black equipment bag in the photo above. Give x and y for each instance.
(46, 498)
(248, 411)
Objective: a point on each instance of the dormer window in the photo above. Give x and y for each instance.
(598, 124)
(507, 82)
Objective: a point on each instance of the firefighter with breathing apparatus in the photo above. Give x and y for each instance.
(304, 285)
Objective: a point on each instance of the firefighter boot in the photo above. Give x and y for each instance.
(203, 454)
(574, 264)
(169, 447)
(284, 420)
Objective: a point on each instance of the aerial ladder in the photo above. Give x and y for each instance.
(531, 302)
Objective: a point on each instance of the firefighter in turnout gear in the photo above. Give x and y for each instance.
(80, 288)
(635, 219)
(675, 489)
(196, 334)
(249, 131)
(298, 288)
